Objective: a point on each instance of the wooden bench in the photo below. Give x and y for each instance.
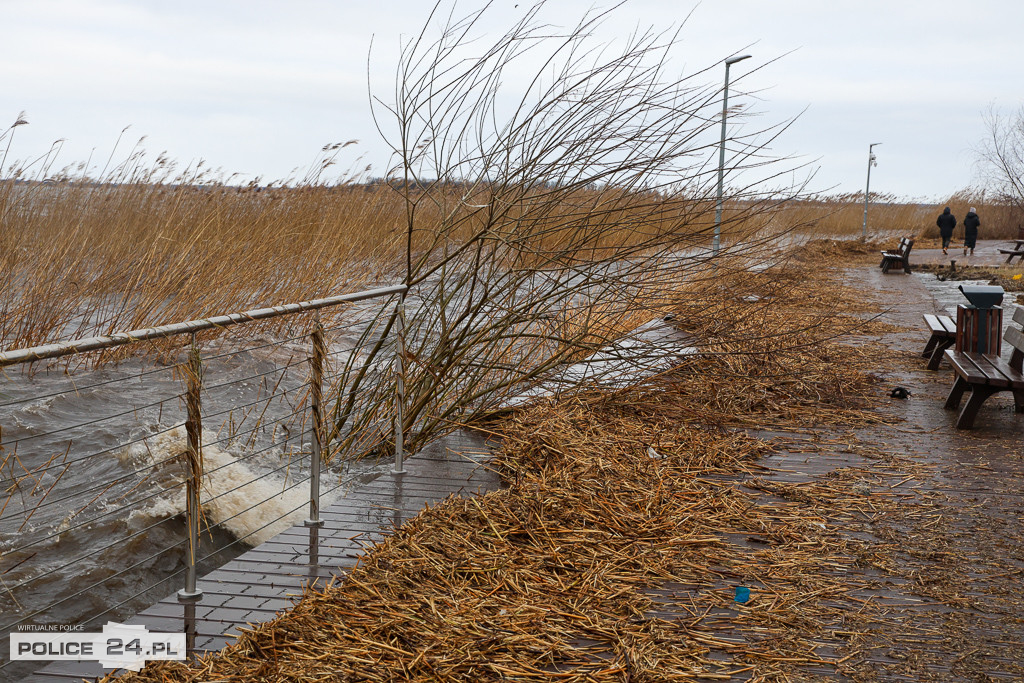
(984, 375)
(1018, 251)
(943, 331)
(899, 257)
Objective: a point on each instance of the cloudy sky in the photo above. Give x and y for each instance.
(258, 87)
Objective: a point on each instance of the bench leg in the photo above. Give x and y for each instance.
(956, 393)
(930, 346)
(1018, 401)
(886, 265)
(979, 395)
(939, 352)
(906, 266)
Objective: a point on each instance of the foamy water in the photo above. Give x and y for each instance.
(254, 507)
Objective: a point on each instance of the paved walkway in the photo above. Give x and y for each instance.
(267, 579)
(986, 253)
(948, 607)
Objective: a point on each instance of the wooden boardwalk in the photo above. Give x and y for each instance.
(255, 586)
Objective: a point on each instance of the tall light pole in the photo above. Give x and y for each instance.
(867, 189)
(721, 156)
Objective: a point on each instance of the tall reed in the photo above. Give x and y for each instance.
(80, 257)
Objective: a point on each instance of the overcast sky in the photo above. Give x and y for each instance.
(258, 87)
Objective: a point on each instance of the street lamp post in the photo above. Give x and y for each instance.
(867, 189)
(716, 242)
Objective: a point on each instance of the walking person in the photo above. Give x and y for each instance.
(946, 223)
(971, 225)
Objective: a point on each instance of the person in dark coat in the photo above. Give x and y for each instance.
(971, 225)
(946, 223)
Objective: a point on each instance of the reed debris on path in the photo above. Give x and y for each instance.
(616, 549)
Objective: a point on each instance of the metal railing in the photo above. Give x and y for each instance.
(40, 481)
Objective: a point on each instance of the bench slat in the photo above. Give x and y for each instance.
(1014, 379)
(1018, 315)
(965, 368)
(992, 377)
(941, 325)
(1014, 337)
(989, 366)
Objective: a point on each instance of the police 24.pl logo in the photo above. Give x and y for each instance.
(120, 646)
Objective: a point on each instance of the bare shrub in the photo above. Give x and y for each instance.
(547, 215)
(1000, 158)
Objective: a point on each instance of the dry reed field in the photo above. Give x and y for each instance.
(83, 257)
(843, 216)
(613, 553)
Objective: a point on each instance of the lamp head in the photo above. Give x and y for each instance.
(733, 60)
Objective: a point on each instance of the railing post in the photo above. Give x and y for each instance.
(194, 454)
(399, 467)
(316, 391)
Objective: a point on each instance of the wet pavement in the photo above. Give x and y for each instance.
(986, 253)
(945, 603)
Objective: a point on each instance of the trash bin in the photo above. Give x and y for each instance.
(979, 324)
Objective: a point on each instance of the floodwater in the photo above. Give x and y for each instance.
(92, 525)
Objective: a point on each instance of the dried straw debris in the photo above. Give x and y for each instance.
(600, 562)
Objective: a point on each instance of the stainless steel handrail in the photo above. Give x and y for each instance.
(57, 350)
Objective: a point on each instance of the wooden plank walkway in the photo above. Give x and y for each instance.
(258, 584)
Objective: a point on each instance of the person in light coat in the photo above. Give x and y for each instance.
(971, 225)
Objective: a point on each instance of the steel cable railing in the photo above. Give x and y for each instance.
(249, 349)
(47, 485)
(283, 368)
(249, 456)
(211, 554)
(87, 589)
(143, 531)
(36, 472)
(105, 451)
(150, 587)
(75, 389)
(95, 551)
(131, 411)
(252, 403)
(236, 541)
(92, 520)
